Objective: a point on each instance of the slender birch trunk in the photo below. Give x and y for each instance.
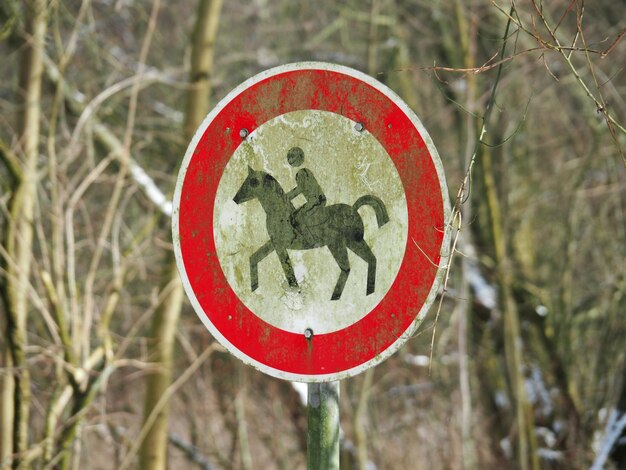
(153, 453)
(468, 34)
(360, 418)
(7, 407)
(526, 439)
(18, 238)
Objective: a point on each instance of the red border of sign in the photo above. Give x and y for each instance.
(368, 341)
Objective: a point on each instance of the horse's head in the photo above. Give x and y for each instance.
(250, 187)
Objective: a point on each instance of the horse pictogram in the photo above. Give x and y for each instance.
(337, 226)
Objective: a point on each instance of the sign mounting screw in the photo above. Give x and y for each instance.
(359, 127)
(243, 133)
(308, 333)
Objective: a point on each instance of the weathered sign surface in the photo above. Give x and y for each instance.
(309, 222)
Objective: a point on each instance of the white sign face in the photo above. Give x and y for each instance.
(315, 160)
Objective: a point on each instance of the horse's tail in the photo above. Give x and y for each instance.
(375, 203)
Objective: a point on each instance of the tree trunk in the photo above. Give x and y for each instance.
(203, 42)
(468, 34)
(153, 453)
(18, 238)
(526, 441)
(360, 419)
(7, 407)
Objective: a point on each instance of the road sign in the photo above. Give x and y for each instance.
(309, 222)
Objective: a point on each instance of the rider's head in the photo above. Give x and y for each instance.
(295, 156)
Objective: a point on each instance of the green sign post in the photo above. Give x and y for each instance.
(324, 431)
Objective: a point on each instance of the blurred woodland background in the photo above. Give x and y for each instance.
(105, 365)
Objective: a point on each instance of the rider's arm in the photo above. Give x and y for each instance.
(294, 192)
(302, 183)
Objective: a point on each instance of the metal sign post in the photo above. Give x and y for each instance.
(323, 421)
(309, 229)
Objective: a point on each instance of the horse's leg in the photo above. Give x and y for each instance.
(255, 259)
(285, 262)
(340, 253)
(362, 249)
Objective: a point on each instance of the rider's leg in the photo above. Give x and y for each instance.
(307, 216)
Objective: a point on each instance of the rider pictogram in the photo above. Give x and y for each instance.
(308, 215)
(338, 226)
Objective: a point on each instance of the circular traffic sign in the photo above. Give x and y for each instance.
(309, 222)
